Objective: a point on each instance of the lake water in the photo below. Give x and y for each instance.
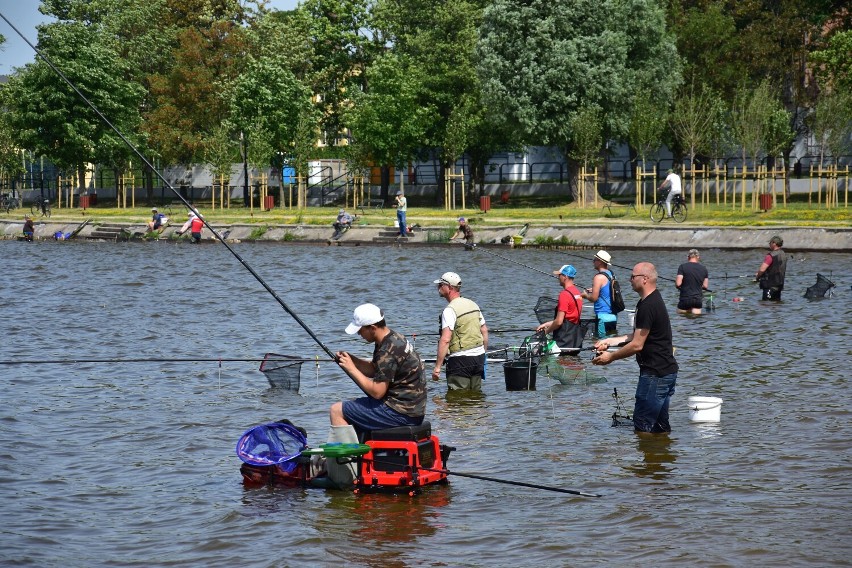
(133, 464)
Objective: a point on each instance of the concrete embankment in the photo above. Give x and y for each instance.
(665, 237)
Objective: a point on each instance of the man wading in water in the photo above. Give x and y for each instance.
(651, 342)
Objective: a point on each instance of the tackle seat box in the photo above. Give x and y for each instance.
(403, 433)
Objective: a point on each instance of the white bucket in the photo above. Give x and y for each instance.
(631, 314)
(705, 408)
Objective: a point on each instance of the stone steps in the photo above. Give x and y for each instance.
(108, 232)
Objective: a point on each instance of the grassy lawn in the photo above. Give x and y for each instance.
(541, 211)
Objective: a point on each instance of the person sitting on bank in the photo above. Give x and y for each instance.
(464, 231)
(692, 279)
(343, 222)
(158, 221)
(773, 270)
(29, 228)
(194, 225)
(565, 325)
(393, 379)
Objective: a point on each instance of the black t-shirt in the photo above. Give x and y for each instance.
(656, 357)
(693, 274)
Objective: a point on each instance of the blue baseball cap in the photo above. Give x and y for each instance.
(566, 270)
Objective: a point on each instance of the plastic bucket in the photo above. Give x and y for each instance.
(520, 375)
(705, 408)
(517, 239)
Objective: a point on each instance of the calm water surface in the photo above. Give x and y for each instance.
(133, 464)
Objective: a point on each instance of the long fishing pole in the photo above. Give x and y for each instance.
(474, 247)
(150, 360)
(504, 481)
(175, 192)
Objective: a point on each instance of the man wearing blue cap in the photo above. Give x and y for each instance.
(565, 325)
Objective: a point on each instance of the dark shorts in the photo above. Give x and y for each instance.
(772, 294)
(690, 302)
(465, 372)
(367, 413)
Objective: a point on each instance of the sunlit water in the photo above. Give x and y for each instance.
(132, 464)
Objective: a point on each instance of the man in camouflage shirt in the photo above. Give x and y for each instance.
(393, 380)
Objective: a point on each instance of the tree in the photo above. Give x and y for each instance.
(695, 120)
(831, 123)
(833, 65)
(388, 122)
(541, 62)
(749, 118)
(647, 123)
(50, 119)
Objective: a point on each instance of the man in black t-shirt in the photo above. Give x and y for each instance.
(692, 279)
(651, 342)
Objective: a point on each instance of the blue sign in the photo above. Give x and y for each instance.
(288, 175)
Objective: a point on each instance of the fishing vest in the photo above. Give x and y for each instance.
(197, 225)
(777, 270)
(467, 333)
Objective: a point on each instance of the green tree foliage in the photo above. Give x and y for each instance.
(342, 46)
(696, 120)
(388, 122)
(831, 123)
(541, 63)
(50, 119)
(648, 120)
(587, 135)
(833, 65)
(750, 117)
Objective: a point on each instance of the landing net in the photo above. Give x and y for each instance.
(282, 371)
(568, 371)
(545, 310)
(818, 290)
(272, 444)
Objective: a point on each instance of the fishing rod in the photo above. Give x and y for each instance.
(490, 331)
(150, 360)
(474, 247)
(175, 192)
(497, 480)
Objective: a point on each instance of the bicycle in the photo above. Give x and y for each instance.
(43, 207)
(658, 211)
(7, 202)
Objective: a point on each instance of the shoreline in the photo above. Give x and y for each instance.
(574, 236)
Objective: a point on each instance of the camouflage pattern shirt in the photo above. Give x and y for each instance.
(398, 364)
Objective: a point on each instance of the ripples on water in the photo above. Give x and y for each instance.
(133, 463)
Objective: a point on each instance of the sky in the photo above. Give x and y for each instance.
(25, 16)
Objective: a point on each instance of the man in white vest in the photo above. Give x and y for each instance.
(464, 337)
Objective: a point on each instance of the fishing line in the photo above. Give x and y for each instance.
(175, 192)
(474, 247)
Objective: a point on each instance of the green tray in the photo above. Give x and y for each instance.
(338, 450)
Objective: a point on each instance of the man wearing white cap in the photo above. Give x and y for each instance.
(157, 222)
(464, 337)
(565, 325)
(194, 225)
(393, 380)
(600, 294)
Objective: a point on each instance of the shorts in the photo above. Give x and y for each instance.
(367, 413)
(690, 302)
(465, 372)
(772, 294)
(605, 325)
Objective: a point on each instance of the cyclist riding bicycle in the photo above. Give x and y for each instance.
(673, 182)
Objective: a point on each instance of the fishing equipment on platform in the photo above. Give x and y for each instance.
(276, 443)
(282, 371)
(823, 285)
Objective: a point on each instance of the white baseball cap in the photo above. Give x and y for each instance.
(365, 314)
(449, 278)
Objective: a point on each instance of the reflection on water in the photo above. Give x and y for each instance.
(655, 451)
(141, 455)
